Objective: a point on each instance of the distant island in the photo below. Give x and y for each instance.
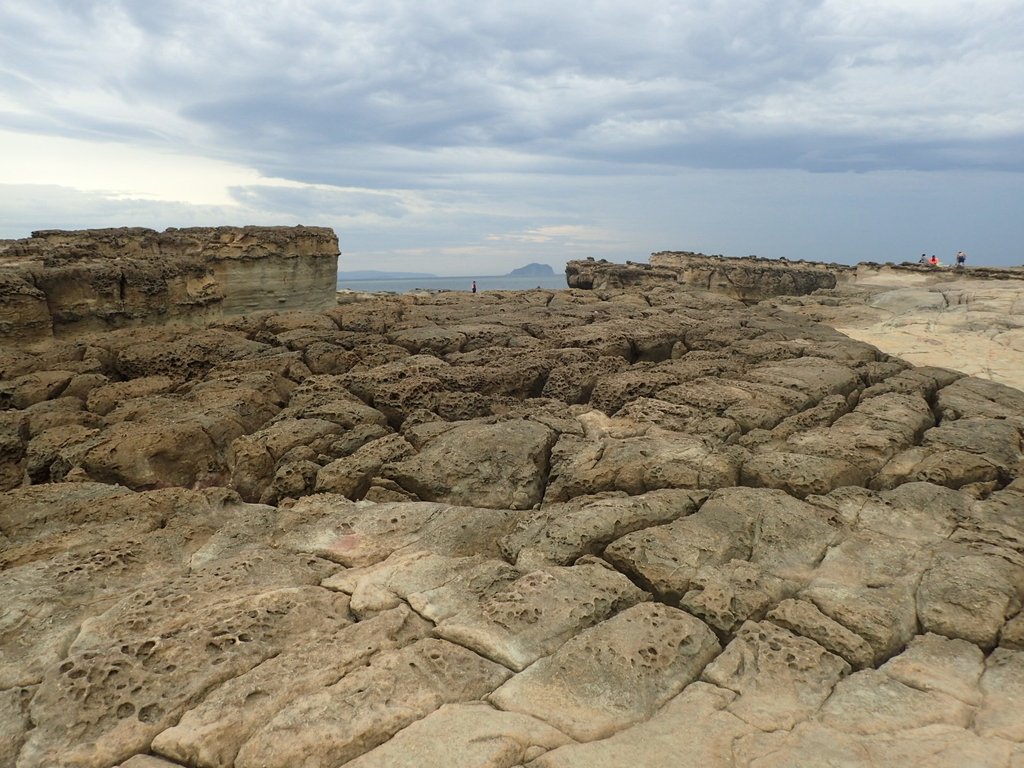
(532, 270)
(374, 274)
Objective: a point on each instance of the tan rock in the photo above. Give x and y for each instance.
(146, 761)
(726, 595)
(472, 735)
(515, 623)
(614, 674)
(104, 399)
(152, 455)
(868, 583)
(211, 734)
(781, 679)
(368, 706)
(127, 686)
(351, 476)
(935, 663)
(1012, 636)
(800, 474)
(33, 388)
(14, 722)
(353, 535)
(498, 465)
(784, 537)
(1002, 688)
(659, 459)
(814, 744)
(969, 595)
(254, 458)
(404, 575)
(803, 618)
(871, 702)
(693, 730)
(559, 534)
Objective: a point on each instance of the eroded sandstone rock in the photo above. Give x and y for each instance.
(622, 485)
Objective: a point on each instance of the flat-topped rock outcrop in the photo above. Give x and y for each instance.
(58, 283)
(746, 279)
(651, 526)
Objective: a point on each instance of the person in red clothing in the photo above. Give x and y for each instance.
(933, 261)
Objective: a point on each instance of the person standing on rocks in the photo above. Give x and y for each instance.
(933, 261)
(961, 257)
(473, 289)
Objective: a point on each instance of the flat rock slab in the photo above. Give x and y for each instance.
(385, 585)
(693, 730)
(368, 706)
(211, 734)
(1002, 686)
(354, 535)
(559, 534)
(473, 735)
(784, 537)
(658, 459)
(781, 679)
(515, 623)
(934, 746)
(867, 584)
(871, 702)
(122, 687)
(615, 674)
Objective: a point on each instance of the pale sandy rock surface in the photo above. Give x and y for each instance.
(578, 528)
(950, 319)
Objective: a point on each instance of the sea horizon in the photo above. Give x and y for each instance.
(456, 283)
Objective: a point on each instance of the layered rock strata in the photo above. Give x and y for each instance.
(653, 526)
(59, 284)
(746, 279)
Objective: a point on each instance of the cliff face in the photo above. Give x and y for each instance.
(748, 280)
(60, 283)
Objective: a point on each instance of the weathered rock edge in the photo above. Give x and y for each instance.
(61, 283)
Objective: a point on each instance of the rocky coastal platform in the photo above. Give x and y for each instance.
(640, 526)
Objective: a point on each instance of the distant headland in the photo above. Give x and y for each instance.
(532, 270)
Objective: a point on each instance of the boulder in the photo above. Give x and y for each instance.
(636, 465)
(501, 465)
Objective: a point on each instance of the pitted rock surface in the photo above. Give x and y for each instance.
(650, 526)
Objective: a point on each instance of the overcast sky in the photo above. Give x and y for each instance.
(472, 137)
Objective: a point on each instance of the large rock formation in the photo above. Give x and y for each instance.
(653, 526)
(747, 279)
(59, 284)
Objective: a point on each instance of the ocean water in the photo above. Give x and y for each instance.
(483, 283)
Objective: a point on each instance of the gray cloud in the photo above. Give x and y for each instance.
(429, 128)
(703, 85)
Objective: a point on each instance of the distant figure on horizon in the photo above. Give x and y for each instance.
(923, 259)
(961, 257)
(933, 261)
(474, 286)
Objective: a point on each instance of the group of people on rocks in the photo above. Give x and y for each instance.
(961, 258)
